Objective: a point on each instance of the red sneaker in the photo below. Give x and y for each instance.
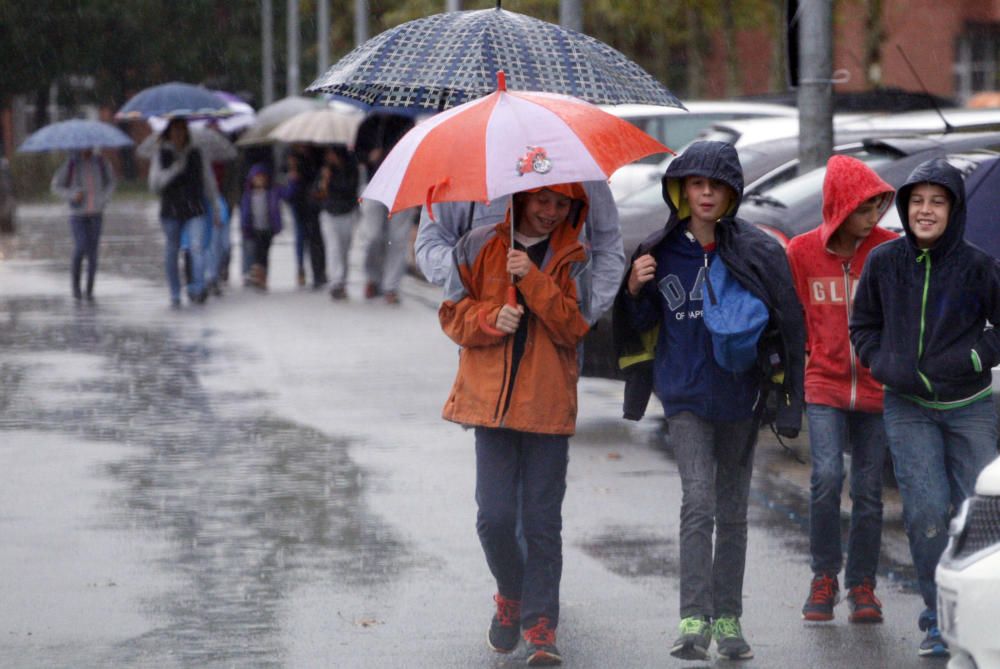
(503, 634)
(824, 593)
(865, 606)
(541, 639)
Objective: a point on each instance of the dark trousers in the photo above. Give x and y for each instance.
(86, 231)
(313, 238)
(262, 246)
(521, 478)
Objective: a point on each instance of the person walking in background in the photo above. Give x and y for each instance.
(843, 401)
(713, 405)
(337, 191)
(920, 324)
(85, 181)
(185, 183)
(516, 384)
(385, 237)
(260, 220)
(298, 191)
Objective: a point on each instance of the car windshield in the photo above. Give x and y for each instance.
(678, 130)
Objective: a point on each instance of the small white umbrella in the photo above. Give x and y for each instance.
(215, 147)
(269, 117)
(322, 126)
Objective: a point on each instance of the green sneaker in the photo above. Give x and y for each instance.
(729, 639)
(696, 636)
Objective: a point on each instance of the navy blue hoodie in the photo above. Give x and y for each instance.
(919, 319)
(756, 260)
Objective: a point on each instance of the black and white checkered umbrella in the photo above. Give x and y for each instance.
(441, 61)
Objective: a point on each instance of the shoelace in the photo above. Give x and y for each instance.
(727, 627)
(692, 625)
(822, 589)
(508, 610)
(540, 634)
(864, 595)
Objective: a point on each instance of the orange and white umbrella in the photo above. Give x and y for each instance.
(506, 142)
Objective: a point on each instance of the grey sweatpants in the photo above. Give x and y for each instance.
(715, 469)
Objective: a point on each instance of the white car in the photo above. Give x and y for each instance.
(968, 578)
(676, 128)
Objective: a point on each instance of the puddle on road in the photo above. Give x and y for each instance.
(252, 506)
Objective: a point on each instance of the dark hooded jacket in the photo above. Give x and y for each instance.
(920, 315)
(757, 261)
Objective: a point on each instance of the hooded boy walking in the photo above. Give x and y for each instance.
(843, 401)
(713, 412)
(920, 324)
(516, 384)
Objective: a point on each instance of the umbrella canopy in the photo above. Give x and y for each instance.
(322, 126)
(74, 135)
(444, 60)
(504, 143)
(173, 99)
(270, 117)
(983, 202)
(215, 147)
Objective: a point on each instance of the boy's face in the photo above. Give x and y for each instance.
(860, 222)
(543, 212)
(259, 180)
(929, 207)
(709, 198)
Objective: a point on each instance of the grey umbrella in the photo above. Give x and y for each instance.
(441, 61)
(75, 134)
(271, 116)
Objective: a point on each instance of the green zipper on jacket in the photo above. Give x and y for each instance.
(924, 257)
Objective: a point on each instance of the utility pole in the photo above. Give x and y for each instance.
(453, 6)
(815, 96)
(571, 15)
(360, 22)
(292, 83)
(322, 37)
(267, 51)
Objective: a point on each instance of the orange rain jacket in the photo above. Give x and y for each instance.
(543, 398)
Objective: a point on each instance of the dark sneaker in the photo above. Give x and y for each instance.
(932, 645)
(729, 639)
(695, 637)
(338, 293)
(506, 626)
(865, 606)
(541, 640)
(824, 593)
(372, 290)
(391, 297)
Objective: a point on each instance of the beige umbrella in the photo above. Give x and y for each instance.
(322, 126)
(271, 116)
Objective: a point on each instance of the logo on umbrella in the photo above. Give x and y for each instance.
(535, 160)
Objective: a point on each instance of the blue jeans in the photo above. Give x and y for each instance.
(521, 479)
(194, 228)
(937, 456)
(86, 229)
(832, 432)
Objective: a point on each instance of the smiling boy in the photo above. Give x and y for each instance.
(920, 324)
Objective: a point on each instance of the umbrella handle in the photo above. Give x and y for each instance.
(489, 329)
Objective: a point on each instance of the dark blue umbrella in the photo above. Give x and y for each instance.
(443, 60)
(173, 100)
(74, 135)
(982, 192)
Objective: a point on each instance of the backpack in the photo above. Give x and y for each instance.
(735, 318)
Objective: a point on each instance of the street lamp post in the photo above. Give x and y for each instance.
(815, 95)
(267, 51)
(293, 87)
(571, 15)
(360, 21)
(322, 36)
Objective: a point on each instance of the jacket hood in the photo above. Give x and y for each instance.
(847, 185)
(714, 160)
(936, 171)
(257, 168)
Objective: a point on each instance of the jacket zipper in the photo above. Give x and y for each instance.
(924, 257)
(850, 346)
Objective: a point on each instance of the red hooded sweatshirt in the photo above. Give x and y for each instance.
(825, 283)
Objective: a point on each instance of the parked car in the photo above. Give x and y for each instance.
(676, 128)
(786, 205)
(968, 577)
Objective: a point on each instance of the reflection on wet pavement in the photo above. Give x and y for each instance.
(251, 506)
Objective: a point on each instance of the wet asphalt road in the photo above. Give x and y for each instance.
(265, 481)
